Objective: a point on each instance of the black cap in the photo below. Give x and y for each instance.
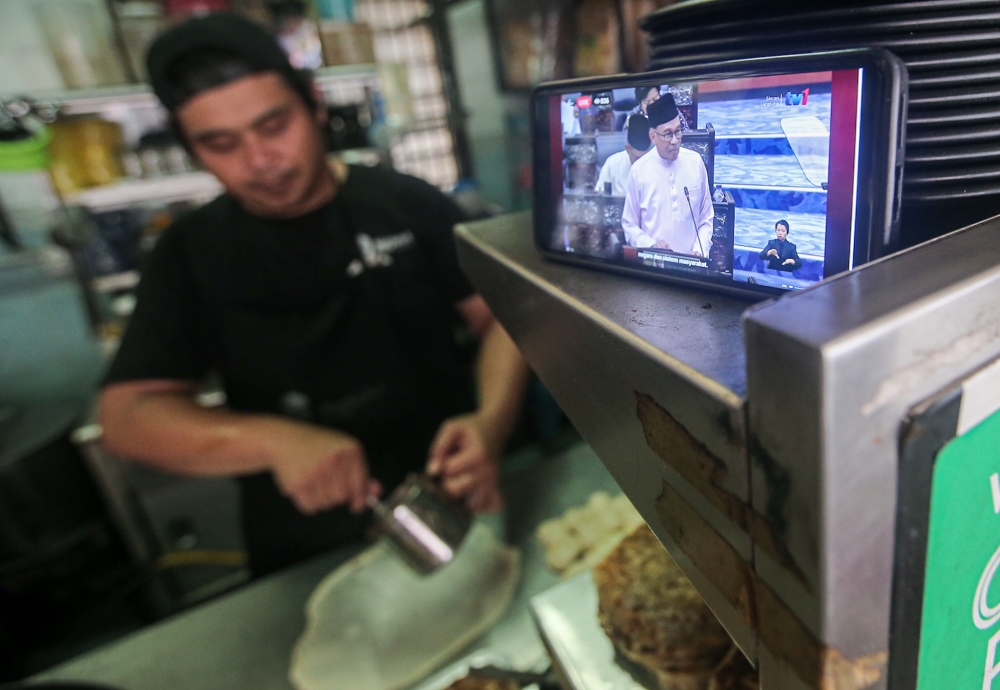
(222, 31)
(662, 110)
(638, 132)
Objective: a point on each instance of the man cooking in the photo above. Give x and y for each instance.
(616, 168)
(656, 210)
(326, 298)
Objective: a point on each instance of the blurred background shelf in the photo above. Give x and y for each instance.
(197, 187)
(97, 100)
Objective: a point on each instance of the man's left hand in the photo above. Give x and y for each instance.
(787, 262)
(462, 456)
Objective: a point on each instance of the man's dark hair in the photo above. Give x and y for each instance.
(211, 51)
(782, 222)
(207, 68)
(642, 91)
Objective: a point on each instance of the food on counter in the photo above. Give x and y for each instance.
(470, 683)
(374, 624)
(734, 673)
(582, 537)
(655, 616)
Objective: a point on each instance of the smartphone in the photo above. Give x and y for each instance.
(754, 176)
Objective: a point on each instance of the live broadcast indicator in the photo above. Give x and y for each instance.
(584, 102)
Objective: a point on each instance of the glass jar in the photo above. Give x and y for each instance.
(86, 152)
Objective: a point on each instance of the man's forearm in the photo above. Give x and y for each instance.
(501, 374)
(170, 430)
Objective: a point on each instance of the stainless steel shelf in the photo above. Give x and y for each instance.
(193, 186)
(94, 101)
(762, 448)
(196, 187)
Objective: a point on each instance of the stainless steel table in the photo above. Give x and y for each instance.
(244, 639)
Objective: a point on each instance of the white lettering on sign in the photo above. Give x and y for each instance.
(995, 487)
(992, 668)
(985, 616)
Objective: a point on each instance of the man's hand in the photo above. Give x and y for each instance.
(319, 469)
(698, 254)
(788, 262)
(465, 460)
(661, 244)
(772, 252)
(159, 422)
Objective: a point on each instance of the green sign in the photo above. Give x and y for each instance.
(960, 627)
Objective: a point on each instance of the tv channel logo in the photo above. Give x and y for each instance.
(797, 98)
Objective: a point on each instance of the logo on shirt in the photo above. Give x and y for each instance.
(378, 251)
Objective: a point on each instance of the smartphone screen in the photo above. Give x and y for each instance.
(750, 180)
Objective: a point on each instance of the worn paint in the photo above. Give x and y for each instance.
(677, 447)
(708, 550)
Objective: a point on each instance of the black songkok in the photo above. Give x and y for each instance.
(638, 133)
(662, 110)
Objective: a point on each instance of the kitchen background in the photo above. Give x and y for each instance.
(92, 548)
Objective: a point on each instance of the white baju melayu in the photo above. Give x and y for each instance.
(655, 207)
(615, 170)
(570, 120)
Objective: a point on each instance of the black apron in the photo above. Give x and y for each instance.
(348, 365)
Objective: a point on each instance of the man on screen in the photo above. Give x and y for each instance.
(657, 213)
(618, 165)
(780, 254)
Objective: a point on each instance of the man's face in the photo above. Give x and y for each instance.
(781, 231)
(634, 154)
(258, 137)
(652, 95)
(667, 139)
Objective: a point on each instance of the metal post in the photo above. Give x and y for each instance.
(437, 20)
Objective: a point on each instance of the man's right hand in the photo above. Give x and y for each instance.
(159, 422)
(660, 244)
(772, 252)
(319, 469)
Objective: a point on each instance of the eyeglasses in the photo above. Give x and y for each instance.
(667, 136)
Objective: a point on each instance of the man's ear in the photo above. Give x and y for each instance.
(322, 114)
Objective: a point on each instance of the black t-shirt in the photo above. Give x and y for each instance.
(344, 317)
